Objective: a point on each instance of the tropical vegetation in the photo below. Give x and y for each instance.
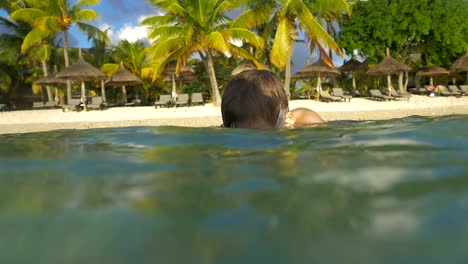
(214, 36)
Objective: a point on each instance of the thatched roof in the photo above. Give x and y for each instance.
(318, 68)
(354, 66)
(170, 69)
(433, 70)
(461, 64)
(185, 78)
(123, 77)
(387, 66)
(81, 71)
(51, 80)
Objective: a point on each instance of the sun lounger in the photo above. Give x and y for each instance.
(338, 92)
(197, 98)
(441, 90)
(377, 95)
(327, 97)
(38, 105)
(455, 91)
(398, 95)
(96, 103)
(182, 99)
(464, 88)
(73, 104)
(164, 100)
(42, 105)
(420, 90)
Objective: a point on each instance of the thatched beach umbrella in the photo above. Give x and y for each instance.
(389, 66)
(82, 71)
(461, 65)
(123, 78)
(51, 80)
(318, 69)
(354, 66)
(247, 65)
(432, 71)
(185, 73)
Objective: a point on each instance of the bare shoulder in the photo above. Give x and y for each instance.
(303, 116)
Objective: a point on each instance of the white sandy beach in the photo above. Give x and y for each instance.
(207, 116)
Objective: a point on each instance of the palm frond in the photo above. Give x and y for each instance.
(93, 32)
(252, 18)
(28, 14)
(281, 50)
(84, 14)
(215, 40)
(247, 36)
(110, 68)
(157, 20)
(168, 31)
(32, 38)
(314, 29)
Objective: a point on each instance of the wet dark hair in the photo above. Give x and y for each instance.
(254, 99)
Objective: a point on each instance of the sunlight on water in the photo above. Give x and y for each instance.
(353, 192)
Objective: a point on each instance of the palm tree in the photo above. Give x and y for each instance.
(331, 12)
(285, 18)
(50, 17)
(133, 56)
(201, 27)
(12, 61)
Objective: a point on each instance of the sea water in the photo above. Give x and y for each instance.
(391, 191)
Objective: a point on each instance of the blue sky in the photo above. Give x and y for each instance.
(123, 18)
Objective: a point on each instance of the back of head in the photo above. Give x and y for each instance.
(254, 99)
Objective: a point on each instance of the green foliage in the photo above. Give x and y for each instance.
(435, 29)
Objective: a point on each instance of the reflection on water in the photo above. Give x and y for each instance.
(352, 192)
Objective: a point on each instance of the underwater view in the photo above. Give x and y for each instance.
(393, 191)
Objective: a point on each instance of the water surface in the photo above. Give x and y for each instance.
(391, 191)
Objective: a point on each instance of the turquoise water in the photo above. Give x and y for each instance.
(353, 192)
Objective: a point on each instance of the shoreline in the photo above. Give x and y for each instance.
(358, 109)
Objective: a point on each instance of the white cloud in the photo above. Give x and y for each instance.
(132, 33)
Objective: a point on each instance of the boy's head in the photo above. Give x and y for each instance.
(254, 99)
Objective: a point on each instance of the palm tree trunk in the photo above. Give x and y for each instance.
(67, 62)
(389, 83)
(46, 73)
(401, 85)
(213, 81)
(124, 95)
(103, 91)
(287, 78)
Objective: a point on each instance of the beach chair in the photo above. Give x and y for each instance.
(327, 97)
(398, 95)
(419, 90)
(441, 90)
(38, 105)
(51, 104)
(164, 100)
(96, 103)
(338, 92)
(197, 98)
(464, 88)
(182, 99)
(73, 104)
(377, 95)
(455, 91)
